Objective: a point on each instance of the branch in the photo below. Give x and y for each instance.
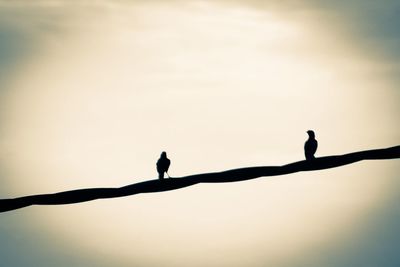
(234, 175)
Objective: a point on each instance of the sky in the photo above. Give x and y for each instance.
(91, 92)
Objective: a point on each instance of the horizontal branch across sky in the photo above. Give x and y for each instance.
(234, 175)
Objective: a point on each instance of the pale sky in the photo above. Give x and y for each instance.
(92, 91)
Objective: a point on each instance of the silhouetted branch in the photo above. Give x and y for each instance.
(235, 175)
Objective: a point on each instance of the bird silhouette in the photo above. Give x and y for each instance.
(163, 165)
(310, 147)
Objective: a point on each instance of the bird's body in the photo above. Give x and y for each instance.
(163, 165)
(311, 145)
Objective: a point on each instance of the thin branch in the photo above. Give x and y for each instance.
(234, 175)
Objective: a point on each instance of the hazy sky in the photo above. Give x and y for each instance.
(92, 91)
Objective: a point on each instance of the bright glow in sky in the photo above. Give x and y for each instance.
(217, 86)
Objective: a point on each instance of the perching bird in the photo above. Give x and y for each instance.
(163, 165)
(310, 146)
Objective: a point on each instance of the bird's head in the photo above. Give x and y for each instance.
(311, 133)
(164, 154)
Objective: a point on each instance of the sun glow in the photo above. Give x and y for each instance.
(217, 88)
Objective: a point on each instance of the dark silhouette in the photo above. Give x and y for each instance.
(235, 175)
(163, 165)
(310, 147)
